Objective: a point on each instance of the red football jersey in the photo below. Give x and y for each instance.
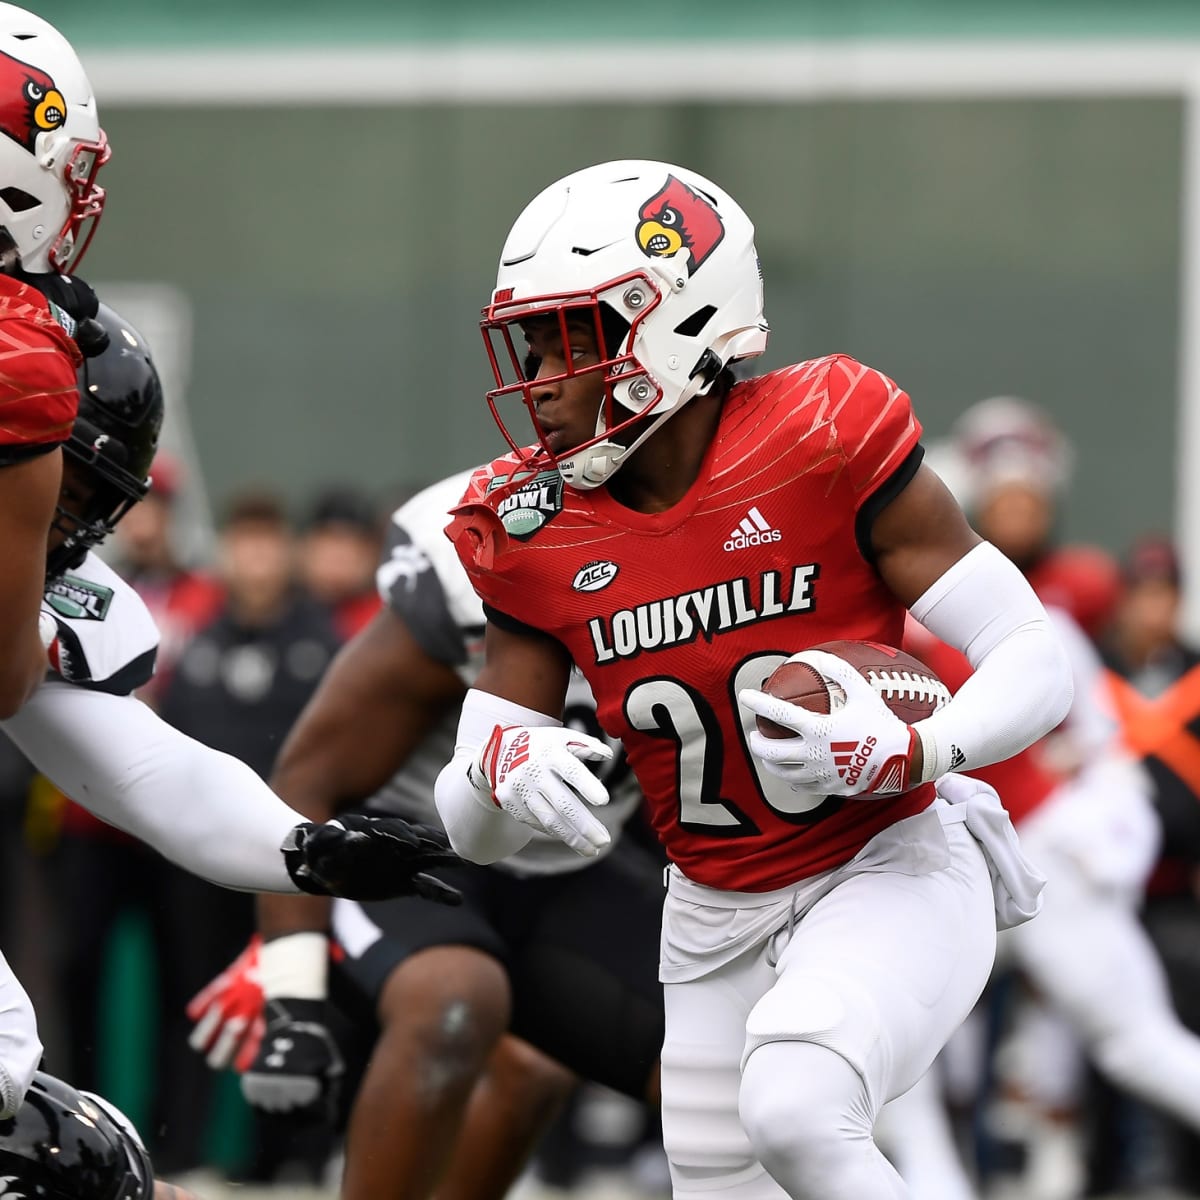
(38, 361)
(669, 614)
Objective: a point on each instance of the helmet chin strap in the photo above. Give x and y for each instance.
(594, 465)
(589, 468)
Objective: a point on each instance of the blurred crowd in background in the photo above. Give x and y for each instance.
(246, 637)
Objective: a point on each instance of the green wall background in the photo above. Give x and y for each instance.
(219, 22)
(337, 260)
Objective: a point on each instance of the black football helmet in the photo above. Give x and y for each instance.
(114, 440)
(69, 1145)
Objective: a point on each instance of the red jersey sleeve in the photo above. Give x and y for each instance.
(38, 390)
(874, 420)
(475, 527)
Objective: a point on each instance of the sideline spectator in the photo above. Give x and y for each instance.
(339, 550)
(239, 686)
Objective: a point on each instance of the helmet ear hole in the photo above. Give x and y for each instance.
(691, 326)
(18, 200)
(615, 329)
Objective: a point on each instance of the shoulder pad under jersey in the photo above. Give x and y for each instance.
(107, 639)
(422, 581)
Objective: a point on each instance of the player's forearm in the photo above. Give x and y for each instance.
(235, 824)
(1021, 687)
(279, 915)
(202, 809)
(372, 709)
(305, 777)
(477, 834)
(479, 830)
(304, 780)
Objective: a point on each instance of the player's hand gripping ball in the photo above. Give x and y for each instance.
(837, 719)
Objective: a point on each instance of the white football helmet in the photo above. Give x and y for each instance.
(51, 144)
(660, 248)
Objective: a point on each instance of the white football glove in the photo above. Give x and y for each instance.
(860, 747)
(537, 775)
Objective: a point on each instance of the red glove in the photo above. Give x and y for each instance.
(229, 1013)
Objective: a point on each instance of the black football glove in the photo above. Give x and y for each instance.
(77, 300)
(298, 1066)
(369, 858)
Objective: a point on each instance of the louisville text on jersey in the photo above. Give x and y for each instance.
(706, 612)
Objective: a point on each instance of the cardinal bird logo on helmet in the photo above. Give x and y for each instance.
(30, 103)
(677, 218)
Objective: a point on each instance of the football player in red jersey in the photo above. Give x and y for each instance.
(677, 535)
(51, 147)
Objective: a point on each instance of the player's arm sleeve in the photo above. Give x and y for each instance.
(478, 830)
(1021, 687)
(202, 809)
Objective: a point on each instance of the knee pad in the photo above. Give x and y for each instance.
(20, 1048)
(702, 1133)
(808, 1118)
(836, 1014)
(749, 1183)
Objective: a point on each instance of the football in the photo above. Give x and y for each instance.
(906, 685)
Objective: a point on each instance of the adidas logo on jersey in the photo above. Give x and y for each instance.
(850, 758)
(752, 530)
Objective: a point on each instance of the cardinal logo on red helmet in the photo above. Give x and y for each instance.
(678, 218)
(30, 102)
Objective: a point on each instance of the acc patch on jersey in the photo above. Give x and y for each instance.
(79, 599)
(594, 576)
(533, 504)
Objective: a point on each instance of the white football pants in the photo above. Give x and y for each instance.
(20, 1048)
(1089, 956)
(777, 1061)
